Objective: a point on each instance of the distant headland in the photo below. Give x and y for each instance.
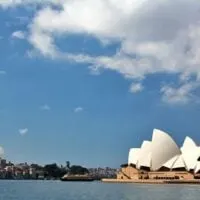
(25, 171)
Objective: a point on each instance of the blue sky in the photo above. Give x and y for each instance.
(89, 87)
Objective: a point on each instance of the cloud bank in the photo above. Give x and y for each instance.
(156, 37)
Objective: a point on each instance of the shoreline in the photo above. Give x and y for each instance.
(196, 182)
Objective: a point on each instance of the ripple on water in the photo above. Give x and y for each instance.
(56, 190)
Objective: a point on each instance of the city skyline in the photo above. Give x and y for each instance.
(80, 85)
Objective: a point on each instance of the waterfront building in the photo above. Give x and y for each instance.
(2, 163)
(32, 172)
(161, 158)
(100, 173)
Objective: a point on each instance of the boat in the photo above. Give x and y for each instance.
(84, 178)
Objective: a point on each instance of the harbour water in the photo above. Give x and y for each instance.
(57, 190)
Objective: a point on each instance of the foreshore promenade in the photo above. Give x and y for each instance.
(151, 181)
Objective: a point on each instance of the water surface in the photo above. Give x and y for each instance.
(56, 190)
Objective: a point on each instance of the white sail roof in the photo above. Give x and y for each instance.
(188, 143)
(179, 163)
(145, 155)
(197, 168)
(163, 149)
(191, 153)
(133, 156)
(171, 162)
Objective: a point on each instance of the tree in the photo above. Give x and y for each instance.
(78, 170)
(52, 170)
(36, 166)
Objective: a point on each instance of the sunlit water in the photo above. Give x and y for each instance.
(56, 190)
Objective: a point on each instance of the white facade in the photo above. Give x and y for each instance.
(163, 151)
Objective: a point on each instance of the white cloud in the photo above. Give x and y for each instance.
(45, 107)
(179, 95)
(12, 3)
(1, 151)
(136, 87)
(2, 72)
(23, 131)
(18, 35)
(159, 39)
(156, 36)
(78, 109)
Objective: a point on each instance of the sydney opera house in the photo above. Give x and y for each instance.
(161, 158)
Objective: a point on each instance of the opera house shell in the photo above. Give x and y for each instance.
(163, 151)
(162, 154)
